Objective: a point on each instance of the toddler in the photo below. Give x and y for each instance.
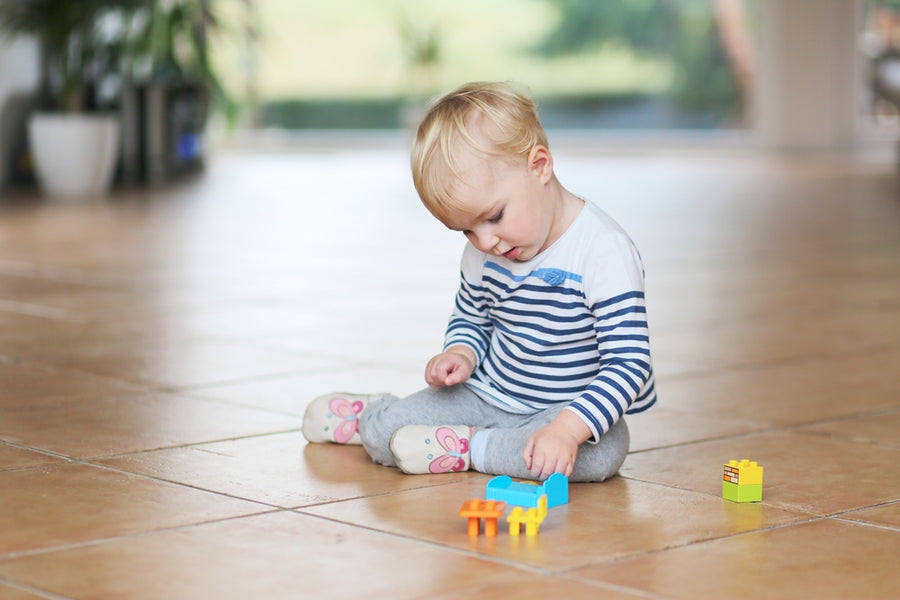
(547, 346)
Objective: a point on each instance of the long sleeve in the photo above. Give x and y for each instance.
(625, 375)
(569, 326)
(470, 323)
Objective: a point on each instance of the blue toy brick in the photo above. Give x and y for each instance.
(527, 494)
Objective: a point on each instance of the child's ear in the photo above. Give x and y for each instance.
(540, 162)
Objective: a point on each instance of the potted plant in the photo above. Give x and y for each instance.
(168, 85)
(74, 149)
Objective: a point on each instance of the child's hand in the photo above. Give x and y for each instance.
(554, 447)
(450, 367)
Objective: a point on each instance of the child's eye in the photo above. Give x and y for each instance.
(496, 218)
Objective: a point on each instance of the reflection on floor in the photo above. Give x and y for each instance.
(158, 349)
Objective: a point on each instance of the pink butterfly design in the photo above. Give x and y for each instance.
(349, 414)
(455, 446)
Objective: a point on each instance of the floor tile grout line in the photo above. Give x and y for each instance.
(305, 507)
(197, 395)
(32, 590)
(843, 438)
(878, 412)
(865, 523)
(814, 310)
(717, 438)
(294, 508)
(780, 428)
(437, 545)
(614, 587)
(16, 555)
(36, 450)
(99, 457)
(181, 484)
(41, 311)
(766, 364)
(148, 387)
(842, 516)
(709, 540)
(788, 509)
(566, 573)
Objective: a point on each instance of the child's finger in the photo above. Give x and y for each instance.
(451, 376)
(527, 453)
(537, 465)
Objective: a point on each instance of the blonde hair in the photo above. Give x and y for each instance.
(495, 112)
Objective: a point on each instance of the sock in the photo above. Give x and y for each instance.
(478, 448)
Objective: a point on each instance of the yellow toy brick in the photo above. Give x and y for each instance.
(532, 518)
(743, 472)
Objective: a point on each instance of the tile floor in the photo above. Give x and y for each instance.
(158, 349)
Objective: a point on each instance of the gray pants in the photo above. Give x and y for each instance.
(507, 432)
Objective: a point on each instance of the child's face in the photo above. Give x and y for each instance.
(504, 207)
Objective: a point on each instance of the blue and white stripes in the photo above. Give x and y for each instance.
(543, 335)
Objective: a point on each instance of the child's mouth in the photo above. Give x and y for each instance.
(512, 254)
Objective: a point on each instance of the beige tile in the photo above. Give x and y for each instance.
(789, 393)
(821, 559)
(292, 393)
(802, 471)
(726, 403)
(281, 469)
(887, 515)
(217, 318)
(28, 337)
(105, 426)
(774, 339)
(12, 457)
(601, 522)
(86, 298)
(284, 555)
(882, 429)
(374, 339)
(773, 308)
(31, 385)
(65, 504)
(535, 587)
(184, 363)
(667, 425)
(714, 292)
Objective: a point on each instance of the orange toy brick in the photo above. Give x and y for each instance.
(489, 510)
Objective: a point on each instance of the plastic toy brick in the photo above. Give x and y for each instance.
(750, 492)
(489, 510)
(531, 519)
(743, 472)
(527, 494)
(742, 481)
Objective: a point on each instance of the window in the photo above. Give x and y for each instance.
(656, 64)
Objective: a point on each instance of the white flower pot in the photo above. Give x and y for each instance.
(74, 154)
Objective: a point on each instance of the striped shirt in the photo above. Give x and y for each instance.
(569, 325)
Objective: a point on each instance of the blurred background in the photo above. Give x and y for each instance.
(184, 77)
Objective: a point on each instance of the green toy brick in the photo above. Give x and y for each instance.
(742, 493)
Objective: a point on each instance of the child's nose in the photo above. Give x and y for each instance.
(485, 240)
